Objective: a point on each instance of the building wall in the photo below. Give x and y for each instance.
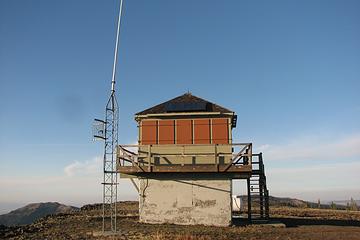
(185, 200)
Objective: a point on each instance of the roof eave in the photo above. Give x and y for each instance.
(150, 115)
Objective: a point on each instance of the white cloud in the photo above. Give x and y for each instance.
(93, 166)
(263, 147)
(133, 149)
(310, 148)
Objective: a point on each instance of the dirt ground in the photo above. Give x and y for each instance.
(296, 224)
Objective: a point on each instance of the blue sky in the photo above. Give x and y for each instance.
(289, 69)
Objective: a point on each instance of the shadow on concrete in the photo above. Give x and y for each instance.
(296, 222)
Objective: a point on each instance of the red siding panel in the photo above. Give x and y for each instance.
(220, 131)
(148, 132)
(166, 132)
(184, 131)
(201, 131)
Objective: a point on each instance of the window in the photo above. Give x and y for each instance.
(184, 131)
(201, 131)
(148, 132)
(166, 132)
(220, 131)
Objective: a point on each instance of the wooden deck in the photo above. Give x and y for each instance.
(200, 168)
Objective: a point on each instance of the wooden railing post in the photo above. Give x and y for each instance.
(149, 157)
(267, 204)
(249, 199)
(216, 157)
(183, 155)
(117, 157)
(261, 186)
(250, 153)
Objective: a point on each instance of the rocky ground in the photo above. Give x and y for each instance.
(298, 223)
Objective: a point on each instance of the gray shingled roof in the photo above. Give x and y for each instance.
(185, 103)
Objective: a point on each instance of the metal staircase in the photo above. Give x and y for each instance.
(258, 194)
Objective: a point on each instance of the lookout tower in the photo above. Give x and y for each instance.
(185, 162)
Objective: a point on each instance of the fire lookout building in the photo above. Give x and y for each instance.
(185, 162)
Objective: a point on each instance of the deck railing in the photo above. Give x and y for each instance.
(221, 156)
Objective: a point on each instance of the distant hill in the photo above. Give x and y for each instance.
(297, 203)
(32, 212)
(287, 202)
(282, 202)
(345, 202)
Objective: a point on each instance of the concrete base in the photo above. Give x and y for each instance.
(185, 201)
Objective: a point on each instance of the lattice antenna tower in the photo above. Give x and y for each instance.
(108, 131)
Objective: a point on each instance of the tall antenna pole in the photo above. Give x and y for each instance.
(110, 180)
(116, 48)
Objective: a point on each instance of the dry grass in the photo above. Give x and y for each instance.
(328, 214)
(162, 236)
